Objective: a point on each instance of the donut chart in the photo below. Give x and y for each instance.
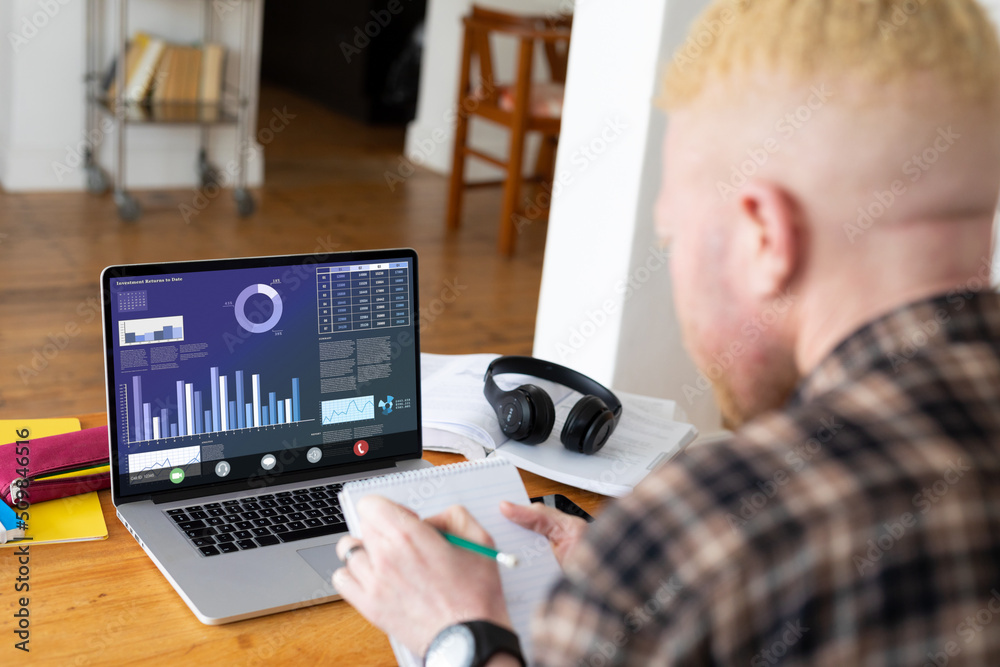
(241, 303)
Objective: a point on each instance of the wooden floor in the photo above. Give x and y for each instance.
(325, 189)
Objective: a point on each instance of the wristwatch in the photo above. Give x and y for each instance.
(471, 644)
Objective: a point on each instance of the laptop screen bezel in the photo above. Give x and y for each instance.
(256, 484)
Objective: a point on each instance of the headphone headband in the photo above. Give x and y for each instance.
(548, 371)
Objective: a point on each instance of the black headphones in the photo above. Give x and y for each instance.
(526, 414)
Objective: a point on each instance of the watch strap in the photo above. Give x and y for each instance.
(492, 639)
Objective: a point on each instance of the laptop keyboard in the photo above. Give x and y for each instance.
(261, 521)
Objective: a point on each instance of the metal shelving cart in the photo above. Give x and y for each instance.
(236, 107)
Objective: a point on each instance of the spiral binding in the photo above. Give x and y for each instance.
(395, 478)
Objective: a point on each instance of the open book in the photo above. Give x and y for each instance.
(479, 486)
(458, 418)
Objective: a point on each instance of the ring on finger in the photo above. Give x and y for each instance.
(350, 553)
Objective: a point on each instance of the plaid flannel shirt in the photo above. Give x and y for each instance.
(859, 525)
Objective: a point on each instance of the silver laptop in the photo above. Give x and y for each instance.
(241, 394)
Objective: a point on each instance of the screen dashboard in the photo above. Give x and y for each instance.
(243, 370)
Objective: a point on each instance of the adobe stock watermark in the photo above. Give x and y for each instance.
(605, 652)
(656, 259)
(583, 157)
(708, 31)
(223, 7)
(620, 465)
(448, 295)
(21, 501)
(87, 311)
(796, 459)
(911, 342)
(302, 273)
(372, 29)
(901, 13)
(426, 147)
(917, 339)
(779, 648)
(924, 501)
(565, 8)
(90, 139)
(279, 120)
(787, 127)
(967, 630)
(751, 331)
(33, 23)
(914, 168)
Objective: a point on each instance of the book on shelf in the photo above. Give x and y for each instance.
(140, 80)
(133, 53)
(210, 83)
(164, 76)
(457, 418)
(174, 82)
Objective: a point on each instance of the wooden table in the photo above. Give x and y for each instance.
(96, 603)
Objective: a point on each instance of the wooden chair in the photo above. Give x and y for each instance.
(522, 106)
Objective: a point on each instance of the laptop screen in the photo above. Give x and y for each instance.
(255, 371)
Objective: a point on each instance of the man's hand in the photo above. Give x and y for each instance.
(563, 530)
(410, 582)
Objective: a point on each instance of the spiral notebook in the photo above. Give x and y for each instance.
(479, 486)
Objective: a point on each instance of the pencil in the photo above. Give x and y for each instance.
(507, 560)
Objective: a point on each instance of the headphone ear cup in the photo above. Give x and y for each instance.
(588, 426)
(543, 414)
(515, 414)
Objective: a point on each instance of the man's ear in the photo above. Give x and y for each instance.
(769, 235)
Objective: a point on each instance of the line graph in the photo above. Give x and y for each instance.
(342, 410)
(164, 458)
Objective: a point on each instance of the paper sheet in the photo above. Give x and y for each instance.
(647, 434)
(479, 486)
(642, 441)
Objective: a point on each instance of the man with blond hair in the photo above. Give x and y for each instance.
(840, 158)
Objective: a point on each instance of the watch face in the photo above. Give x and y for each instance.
(453, 647)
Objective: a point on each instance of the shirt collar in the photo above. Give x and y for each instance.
(902, 335)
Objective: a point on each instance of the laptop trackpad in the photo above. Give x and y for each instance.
(323, 559)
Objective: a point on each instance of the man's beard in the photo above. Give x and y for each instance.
(769, 392)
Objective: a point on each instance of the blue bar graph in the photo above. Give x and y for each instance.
(198, 427)
(137, 397)
(181, 413)
(216, 422)
(295, 400)
(240, 422)
(151, 330)
(211, 409)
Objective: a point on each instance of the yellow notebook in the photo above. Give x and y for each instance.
(72, 519)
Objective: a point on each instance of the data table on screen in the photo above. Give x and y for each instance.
(363, 296)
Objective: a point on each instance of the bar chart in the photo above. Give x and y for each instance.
(151, 330)
(220, 403)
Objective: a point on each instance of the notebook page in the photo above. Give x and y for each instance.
(479, 486)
